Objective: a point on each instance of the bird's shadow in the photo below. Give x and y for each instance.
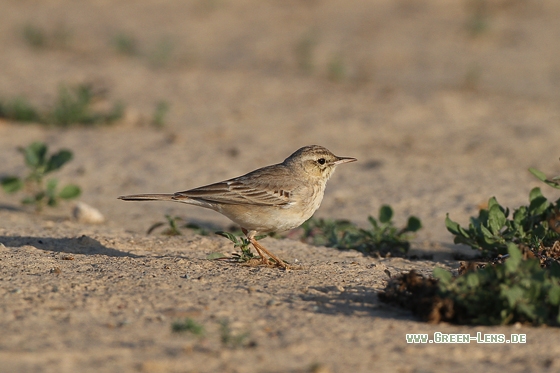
(11, 208)
(356, 300)
(71, 245)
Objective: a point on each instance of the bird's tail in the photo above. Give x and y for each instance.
(148, 197)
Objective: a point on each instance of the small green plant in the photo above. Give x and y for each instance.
(160, 114)
(231, 340)
(337, 70)
(73, 106)
(241, 242)
(188, 325)
(528, 226)
(383, 237)
(34, 36)
(479, 17)
(326, 232)
(40, 38)
(238, 238)
(40, 164)
(554, 182)
(125, 44)
(173, 229)
(305, 52)
(19, 109)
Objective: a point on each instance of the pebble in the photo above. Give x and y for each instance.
(84, 213)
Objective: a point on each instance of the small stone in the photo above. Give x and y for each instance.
(84, 213)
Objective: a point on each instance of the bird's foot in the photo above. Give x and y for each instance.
(273, 261)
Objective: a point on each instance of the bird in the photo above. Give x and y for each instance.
(270, 199)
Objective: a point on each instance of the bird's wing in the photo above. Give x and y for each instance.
(259, 187)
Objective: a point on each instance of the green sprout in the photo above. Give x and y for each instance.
(19, 109)
(160, 114)
(188, 325)
(174, 229)
(41, 192)
(125, 44)
(233, 340)
(72, 106)
(241, 242)
(383, 237)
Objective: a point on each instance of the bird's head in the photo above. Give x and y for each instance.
(316, 161)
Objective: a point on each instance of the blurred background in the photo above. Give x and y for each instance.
(495, 46)
(444, 103)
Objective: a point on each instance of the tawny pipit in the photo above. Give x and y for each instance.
(271, 199)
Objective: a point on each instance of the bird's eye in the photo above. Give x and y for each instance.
(321, 160)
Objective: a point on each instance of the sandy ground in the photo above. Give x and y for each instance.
(441, 117)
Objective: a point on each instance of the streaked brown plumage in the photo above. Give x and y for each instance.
(270, 199)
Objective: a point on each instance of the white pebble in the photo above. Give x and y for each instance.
(84, 213)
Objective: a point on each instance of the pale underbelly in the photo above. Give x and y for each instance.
(265, 219)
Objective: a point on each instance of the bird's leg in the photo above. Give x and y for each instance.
(251, 239)
(264, 260)
(260, 249)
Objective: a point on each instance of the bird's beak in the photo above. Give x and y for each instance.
(342, 160)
